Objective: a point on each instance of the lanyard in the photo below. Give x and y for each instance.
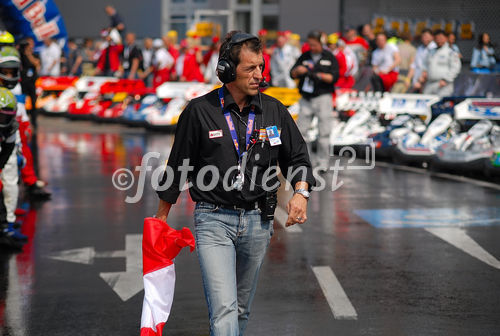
(232, 129)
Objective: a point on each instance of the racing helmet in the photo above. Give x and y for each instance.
(8, 108)
(6, 38)
(10, 65)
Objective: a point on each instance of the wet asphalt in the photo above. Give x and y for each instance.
(399, 278)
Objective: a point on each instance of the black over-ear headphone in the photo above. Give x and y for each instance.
(226, 67)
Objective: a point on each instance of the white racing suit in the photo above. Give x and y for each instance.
(10, 179)
(441, 64)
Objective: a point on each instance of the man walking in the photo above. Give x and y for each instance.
(226, 144)
(317, 70)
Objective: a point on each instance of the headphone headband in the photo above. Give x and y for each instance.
(241, 37)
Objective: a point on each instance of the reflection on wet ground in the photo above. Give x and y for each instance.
(391, 252)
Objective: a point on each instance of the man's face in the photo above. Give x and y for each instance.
(130, 38)
(9, 72)
(109, 10)
(148, 43)
(367, 30)
(280, 42)
(9, 75)
(249, 71)
(440, 39)
(486, 38)
(426, 38)
(350, 34)
(315, 46)
(381, 40)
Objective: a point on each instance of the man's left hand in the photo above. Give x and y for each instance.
(442, 83)
(297, 210)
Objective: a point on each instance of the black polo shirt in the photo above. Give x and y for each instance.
(131, 52)
(327, 63)
(203, 137)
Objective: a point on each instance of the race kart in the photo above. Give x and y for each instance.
(420, 150)
(473, 149)
(87, 100)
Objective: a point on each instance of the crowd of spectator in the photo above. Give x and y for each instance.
(427, 63)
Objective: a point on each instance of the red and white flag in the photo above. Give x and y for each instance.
(160, 245)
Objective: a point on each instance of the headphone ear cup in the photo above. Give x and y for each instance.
(263, 65)
(226, 71)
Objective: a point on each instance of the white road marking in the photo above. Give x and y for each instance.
(129, 283)
(340, 304)
(112, 254)
(442, 175)
(459, 238)
(125, 284)
(84, 255)
(15, 315)
(442, 222)
(280, 215)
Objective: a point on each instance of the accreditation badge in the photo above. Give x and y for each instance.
(273, 135)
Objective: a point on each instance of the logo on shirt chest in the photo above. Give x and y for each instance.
(215, 134)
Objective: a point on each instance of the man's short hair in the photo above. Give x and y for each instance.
(315, 35)
(233, 52)
(426, 30)
(439, 32)
(406, 36)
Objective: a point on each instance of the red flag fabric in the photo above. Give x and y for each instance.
(160, 245)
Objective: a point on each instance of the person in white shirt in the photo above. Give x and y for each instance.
(441, 67)
(147, 52)
(50, 57)
(416, 68)
(210, 70)
(162, 63)
(147, 61)
(282, 60)
(385, 64)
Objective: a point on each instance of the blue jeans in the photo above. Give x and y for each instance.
(231, 245)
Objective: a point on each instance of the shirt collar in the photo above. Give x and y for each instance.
(229, 101)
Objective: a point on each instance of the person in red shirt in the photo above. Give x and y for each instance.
(357, 44)
(170, 40)
(351, 37)
(214, 48)
(187, 66)
(266, 54)
(345, 81)
(109, 60)
(162, 64)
